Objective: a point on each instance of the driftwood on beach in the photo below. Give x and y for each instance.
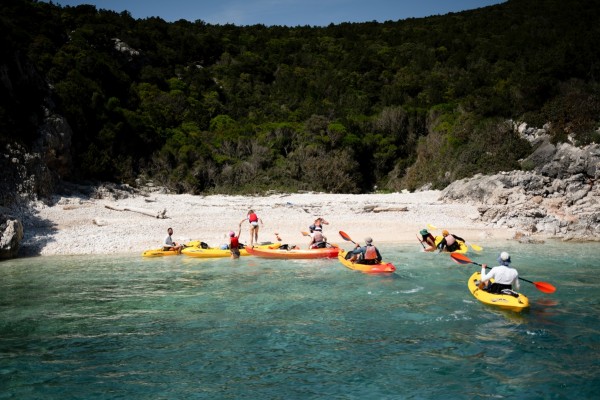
(155, 214)
(378, 209)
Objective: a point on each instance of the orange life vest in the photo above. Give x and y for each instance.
(371, 253)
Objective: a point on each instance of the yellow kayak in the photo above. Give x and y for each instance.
(161, 253)
(215, 252)
(463, 248)
(504, 301)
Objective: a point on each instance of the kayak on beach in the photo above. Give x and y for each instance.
(215, 252)
(382, 267)
(295, 253)
(161, 253)
(462, 249)
(504, 301)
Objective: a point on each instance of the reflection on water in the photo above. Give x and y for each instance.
(177, 327)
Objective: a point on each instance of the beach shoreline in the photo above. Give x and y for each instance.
(76, 225)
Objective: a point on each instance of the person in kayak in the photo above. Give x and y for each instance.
(428, 239)
(234, 243)
(318, 225)
(450, 242)
(505, 277)
(169, 244)
(317, 240)
(367, 254)
(253, 219)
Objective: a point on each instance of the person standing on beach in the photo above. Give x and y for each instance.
(318, 225)
(169, 244)
(253, 219)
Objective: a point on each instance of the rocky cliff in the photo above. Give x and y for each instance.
(558, 197)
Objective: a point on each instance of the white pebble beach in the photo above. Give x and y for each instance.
(75, 225)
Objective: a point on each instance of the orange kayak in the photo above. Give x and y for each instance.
(329, 252)
(382, 267)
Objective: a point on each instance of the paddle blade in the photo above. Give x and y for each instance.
(345, 236)
(476, 247)
(305, 233)
(431, 227)
(460, 258)
(545, 287)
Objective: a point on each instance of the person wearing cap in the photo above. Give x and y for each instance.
(367, 254)
(450, 242)
(428, 239)
(505, 277)
(318, 225)
(234, 243)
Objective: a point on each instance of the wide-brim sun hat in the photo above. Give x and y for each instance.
(504, 258)
(423, 232)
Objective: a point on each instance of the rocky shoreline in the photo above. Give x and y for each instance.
(559, 197)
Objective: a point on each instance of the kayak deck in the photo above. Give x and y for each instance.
(504, 301)
(329, 252)
(214, 252)
(382, 267)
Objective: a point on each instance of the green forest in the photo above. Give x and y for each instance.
(351, 107)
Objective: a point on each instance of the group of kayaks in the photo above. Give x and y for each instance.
(510, 301)
(276, 251)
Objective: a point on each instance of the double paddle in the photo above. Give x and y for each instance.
(541, 286)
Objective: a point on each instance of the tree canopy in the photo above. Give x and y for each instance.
(344, 108)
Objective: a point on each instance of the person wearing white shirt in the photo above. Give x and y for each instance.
(505, 277)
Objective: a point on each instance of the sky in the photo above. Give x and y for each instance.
(283, 12)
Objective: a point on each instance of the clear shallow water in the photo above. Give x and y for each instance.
(182, 328)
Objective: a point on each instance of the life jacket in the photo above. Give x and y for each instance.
(371, 253)
(234, 242)
(450, 240)
(253, 217)
(318, 237)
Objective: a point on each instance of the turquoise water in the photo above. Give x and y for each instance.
(182, 328)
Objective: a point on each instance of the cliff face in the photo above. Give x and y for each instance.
(559, 197)
(35, 152)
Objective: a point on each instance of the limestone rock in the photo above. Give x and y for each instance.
(11, 234)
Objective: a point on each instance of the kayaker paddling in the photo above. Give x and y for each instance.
(428, 239)
(367, 254)
(504, 276)
(450, 242)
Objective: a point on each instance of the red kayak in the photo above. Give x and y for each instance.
(328, 252)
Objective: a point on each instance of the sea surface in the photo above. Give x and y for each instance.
(125, 327)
